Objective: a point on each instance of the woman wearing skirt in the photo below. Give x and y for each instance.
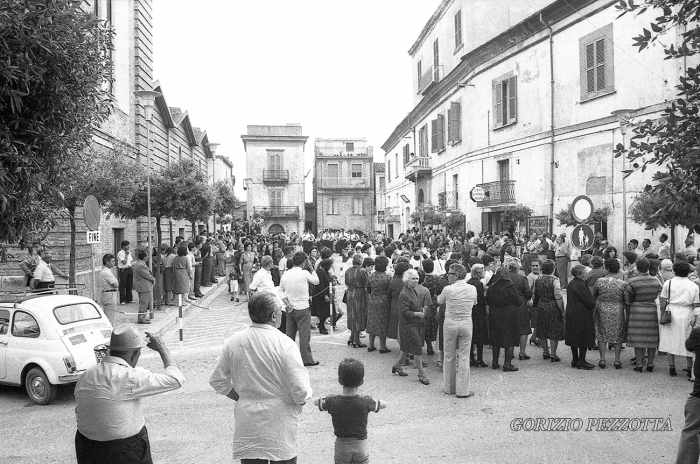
(643, 324)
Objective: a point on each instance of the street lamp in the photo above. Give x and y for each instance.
(623, 117)
(147, 98)
(212, 149)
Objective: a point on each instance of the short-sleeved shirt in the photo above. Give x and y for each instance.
(349, 414)
(683, 292)
(121, 256)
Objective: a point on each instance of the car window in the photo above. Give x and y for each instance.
(25, 325)
(4, 321)
(69, 314)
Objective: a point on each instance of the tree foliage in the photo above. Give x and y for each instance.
(671, 141)
(455, 222)
(516, 213)
(566, 217)
(648, 209)
(429, 218)
(225, 200)
(55, 62)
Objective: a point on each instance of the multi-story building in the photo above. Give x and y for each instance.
(275, 176)
(379, 202)
(522, 106)
(344, 184)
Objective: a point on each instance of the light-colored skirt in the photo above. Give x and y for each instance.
(672, 336)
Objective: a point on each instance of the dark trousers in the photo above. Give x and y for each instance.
(136, 450)
(688, 447)
(212, 274)
(126, 283)
(265, 461)
(299, 320)
(197, 279)
(205, 278)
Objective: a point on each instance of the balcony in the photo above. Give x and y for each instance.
(277, 211)
(447, 201)
(392, 214)
(418, 167)
(275, 175)
(430, 77)
(344, 182)
(497, 193)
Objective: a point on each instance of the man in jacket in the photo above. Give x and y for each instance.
(143, 284)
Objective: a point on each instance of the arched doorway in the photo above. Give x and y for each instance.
(421, 198)
(275, 229)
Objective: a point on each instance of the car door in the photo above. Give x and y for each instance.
(4, 340)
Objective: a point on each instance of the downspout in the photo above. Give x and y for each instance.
(551, 162)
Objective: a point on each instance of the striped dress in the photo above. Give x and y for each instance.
(643, 324)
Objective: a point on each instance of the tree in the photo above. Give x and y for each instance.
(182, 193)
(55, 62)
(671, 141)
(429, 218)
(516, 214)
(455, 222)
(566, 217)
(225, 201)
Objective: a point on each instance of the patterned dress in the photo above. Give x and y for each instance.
(431, 321)
(643, 324)
(610, 323)
(356, 282)
(550, 320)
(378, 308)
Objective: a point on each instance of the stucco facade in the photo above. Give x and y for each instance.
(275, 176)
(523, 116)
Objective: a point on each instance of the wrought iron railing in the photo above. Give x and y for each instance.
(275, 175)
(345, 182)
(497, 193)
(277, 211)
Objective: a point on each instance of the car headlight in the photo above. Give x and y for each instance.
(70, 364)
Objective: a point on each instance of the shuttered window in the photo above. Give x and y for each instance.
(596, 61)
(406, 154)
(505, 100)
(423, 140)
(458, 29)
(454, 122)
(388, 170)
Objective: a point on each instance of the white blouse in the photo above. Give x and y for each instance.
(683, 292)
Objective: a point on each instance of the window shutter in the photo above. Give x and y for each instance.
(434, 129)
(512, 99)
(456, 121)
(497, 104)
(441, 131)
(424, 138)
(590, 68)
(450, 124)
(600, 64)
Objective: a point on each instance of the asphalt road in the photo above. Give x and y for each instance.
(421, 424)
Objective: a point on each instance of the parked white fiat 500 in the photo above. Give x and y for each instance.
(49, 340)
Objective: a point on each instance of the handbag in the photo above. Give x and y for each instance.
(666, 314)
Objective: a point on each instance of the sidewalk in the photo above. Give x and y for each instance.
(166, 318)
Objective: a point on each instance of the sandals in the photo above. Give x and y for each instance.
(602, 364)
(423, 379)
(617, 364)
(554, 358)
(535, 342)
(650, 367)
(398, 370)
(638, 368)
(545, 356)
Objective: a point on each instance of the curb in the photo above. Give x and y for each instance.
(170, 318)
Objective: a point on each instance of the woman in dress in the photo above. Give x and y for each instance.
(580, 333)
(412, 308)
(561, 259)
(480, 326)
(503, 300)
(431, 325)
(182, 273)
(378, 307)
(395, 289)
(231, 271)
(169, 276)
(679, 295)
(248, 259)
(356, 283)
(523, 286)
(641, 293)
(610, 323)
(547, 298)
(321, 296)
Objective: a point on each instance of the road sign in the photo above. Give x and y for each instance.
(93, 236)
(92, 213)
(477, 194)
(582, 208)
(582, 237)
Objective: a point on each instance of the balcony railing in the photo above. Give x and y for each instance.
(345, 182)
(277, 211)
(392, 214)
(430, 77)
(501, 192)
(275, 175)
(418, 167)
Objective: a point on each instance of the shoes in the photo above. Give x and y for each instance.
(323, 331)
(312, 363)
(617, 364)
(423, 379)
(672, 371)
(237, 300)
(650, 367)
(495, 366)
(585, 365)
(191, 298)
(439, 363)
(510, 368)
(199, 295)
(398, 370)
(214, 281)
(481, 363)
(233, 299)
(522, 356)
(385, 350)
(372, 348)
(535, 342)
(471, 393)
(574, 364)
(313, 327)
(122, 302)
(554, 358)
(638, 368)
(359, 345)
(205, 285)
(144, 321)
(431, 352)
(602, 364)
(472, 363)
(545, 356)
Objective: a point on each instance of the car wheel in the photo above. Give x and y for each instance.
(39, 389)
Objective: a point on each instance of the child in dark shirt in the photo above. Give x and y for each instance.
(349, 412)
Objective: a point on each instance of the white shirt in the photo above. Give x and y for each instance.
(265, 369)
(458, 298)
(43, 272)
(295, 286)
(262, 280)
(108, 397)
(121, 256)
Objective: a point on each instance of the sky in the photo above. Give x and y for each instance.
(338, 68)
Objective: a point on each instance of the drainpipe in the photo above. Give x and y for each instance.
(551, 163)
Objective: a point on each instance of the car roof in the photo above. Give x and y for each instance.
(41, 302)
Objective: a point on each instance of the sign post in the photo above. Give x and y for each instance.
(582, 235)
(92, 214)
(477, 194)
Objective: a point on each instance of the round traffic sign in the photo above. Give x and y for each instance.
(582, 208)
(477, 194)
(582, 237)
(92, 213)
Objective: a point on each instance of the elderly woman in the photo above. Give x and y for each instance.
(356, 283)
(378, 306)
(523, 287)
(322, 294)
(395, 289)
(248, 259)
(666, 270)
(643, 324)
(480, 330)
(561, 259)
(547, 298)
(679, 295)
(182, 272)
(610, 323)
(412, 309)
(231, 270)
(580, 333)
(169, 276)
(597, 271)
(431, 283)
(504, 300)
